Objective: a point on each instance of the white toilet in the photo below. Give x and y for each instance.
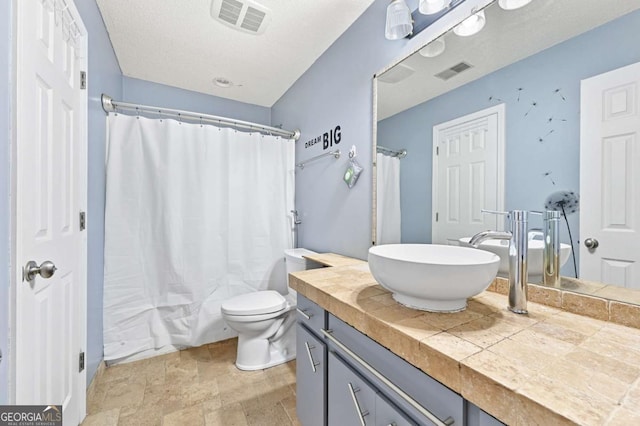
(265, 319)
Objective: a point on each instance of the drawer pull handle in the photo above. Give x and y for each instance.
(304, 313)
(402, 394)
(361, 413)
(313, 363)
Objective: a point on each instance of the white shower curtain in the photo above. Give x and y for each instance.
(388, 229)
(194, 215)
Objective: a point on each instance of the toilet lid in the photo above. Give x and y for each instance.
(259, 302)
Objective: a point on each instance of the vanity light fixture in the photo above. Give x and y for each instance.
(433, 49)
(429, 7)
(472, 25)
(513, 4)
(399, 23)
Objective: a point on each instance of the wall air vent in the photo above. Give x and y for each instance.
(396, 74)
(243, 15)
(453, 71)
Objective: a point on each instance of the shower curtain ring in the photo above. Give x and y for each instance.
(179, 118)
(160, 114)
(138, 113)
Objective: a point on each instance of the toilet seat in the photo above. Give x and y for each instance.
(257, 303)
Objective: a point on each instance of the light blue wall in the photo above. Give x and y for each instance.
(406, 129)
(104, 76)
(149, 93)
(337, 90)
(5, 163)
(527, 159)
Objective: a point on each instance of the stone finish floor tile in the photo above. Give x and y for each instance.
(103, 418)
(196, 386)
(191, 416)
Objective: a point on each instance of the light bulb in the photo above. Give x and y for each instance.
(429, 7)
(472, 25)
(433, 49)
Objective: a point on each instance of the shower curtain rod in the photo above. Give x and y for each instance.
(401, 153)
(109, 105)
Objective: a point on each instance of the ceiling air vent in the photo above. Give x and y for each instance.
(396, 74)
(453, 71)
(243, 15)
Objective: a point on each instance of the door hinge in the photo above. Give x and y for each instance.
(437, 216)
(81, 362)
(83, 80)
(437, 150)
(83, 221)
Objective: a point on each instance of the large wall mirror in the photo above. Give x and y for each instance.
(538, 110)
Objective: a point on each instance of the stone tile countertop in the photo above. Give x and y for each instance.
(550, 367)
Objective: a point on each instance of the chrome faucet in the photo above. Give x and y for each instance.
(518, 246)
(551, 253)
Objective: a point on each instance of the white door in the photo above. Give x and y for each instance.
(51, 184)
(610, 177)
(468, 175)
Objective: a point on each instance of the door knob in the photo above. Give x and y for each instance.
(31, 269)
(591, 243)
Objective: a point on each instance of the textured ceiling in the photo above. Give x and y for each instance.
(178, 43)
(507, 37)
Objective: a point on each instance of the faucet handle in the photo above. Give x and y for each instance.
(548, 214)
(535, 232)
(495, 212)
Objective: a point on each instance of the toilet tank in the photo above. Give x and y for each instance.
(295, 262)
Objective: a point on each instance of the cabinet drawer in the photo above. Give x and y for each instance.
(311, 315)
(311, 377)
(426, 391)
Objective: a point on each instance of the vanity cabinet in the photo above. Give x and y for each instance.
(411, 396)
(345, 378)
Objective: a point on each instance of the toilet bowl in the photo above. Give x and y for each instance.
(264, 320)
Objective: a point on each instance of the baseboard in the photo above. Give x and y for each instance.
(91, 390)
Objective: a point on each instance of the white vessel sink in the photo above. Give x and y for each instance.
(431, 277)
(534, 257)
